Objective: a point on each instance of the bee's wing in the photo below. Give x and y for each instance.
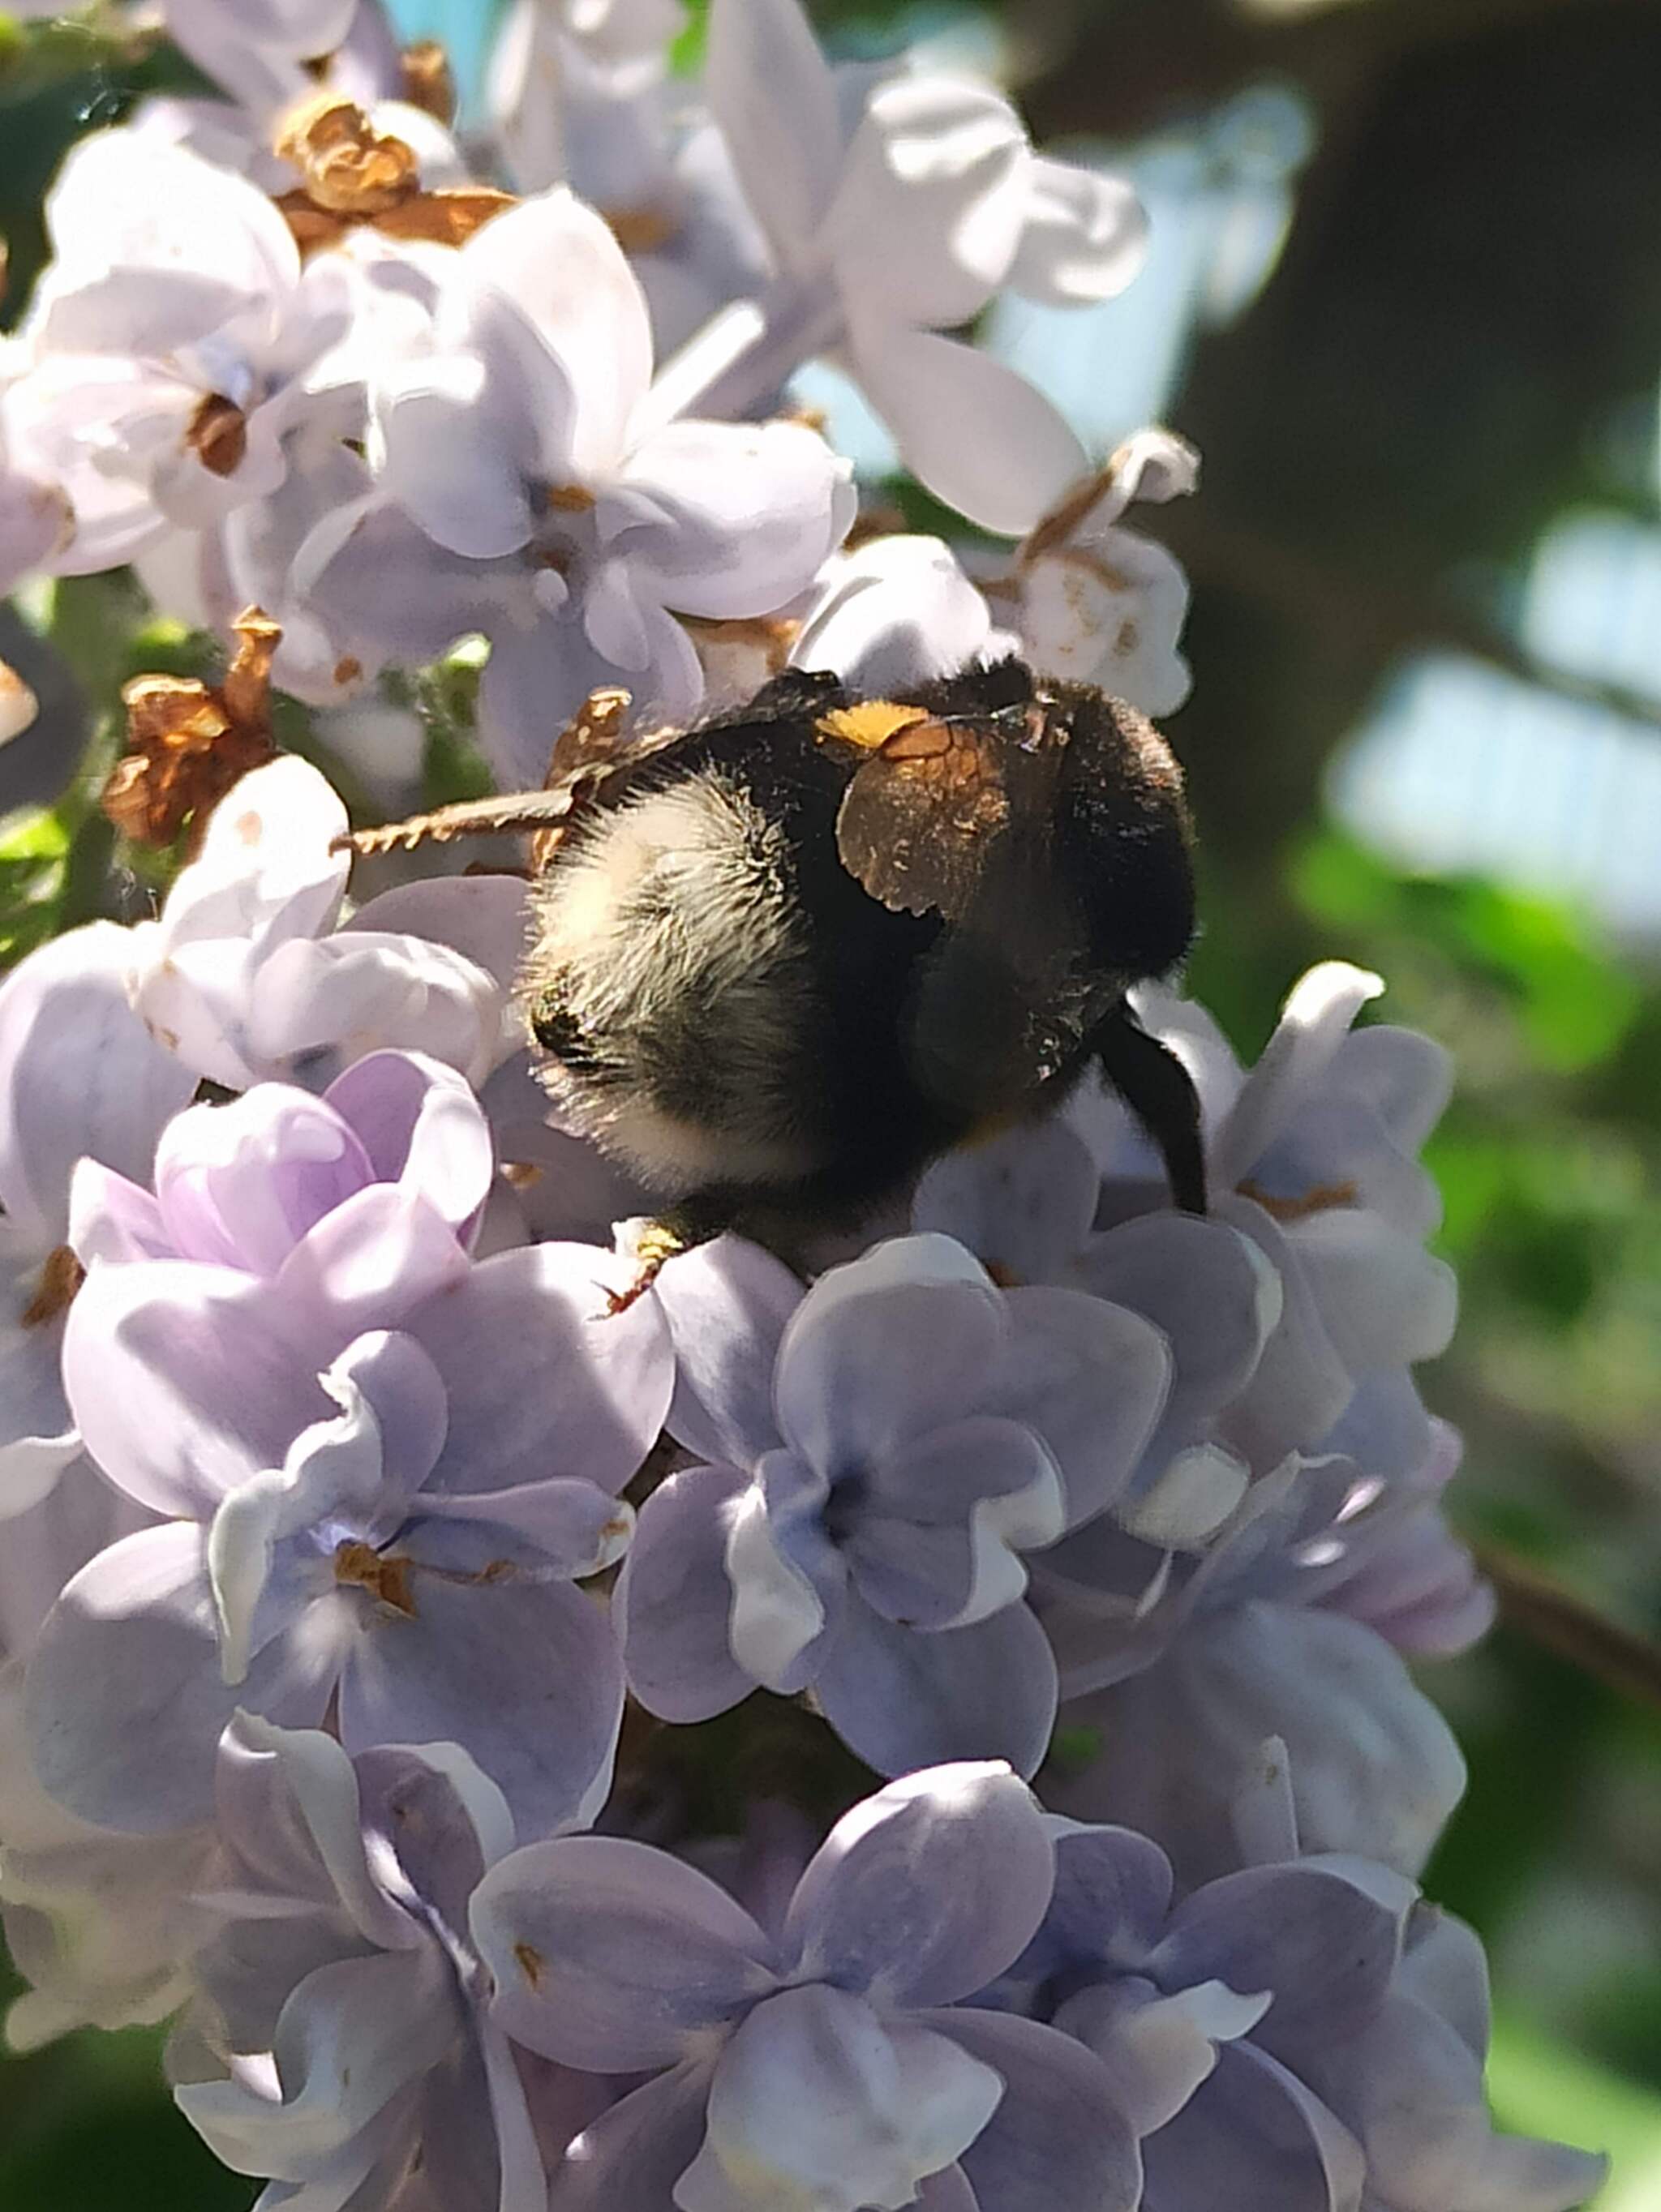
(921, 817)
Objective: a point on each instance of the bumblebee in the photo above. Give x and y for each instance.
(781, 960)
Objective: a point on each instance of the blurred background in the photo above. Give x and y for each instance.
(1405, 296)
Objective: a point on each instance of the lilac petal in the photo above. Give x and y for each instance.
(1022, 1202)
(526, 1676)
(368, 1265)
(770, 91)
(672, 1600)
(565, 273)
(895, 612)
(82, 1076)
(353, 2033)
(180, 1384)
(459, 430)
(786, 1577)
(1112, 1891)
(1384, 1300)
(901, 1700)
(1091, 1380)
(1301, 1387)
(37, 1439)
(1320, 1946)
(818, 2101)
(125, 1698)
(856, 1326)
(634, 2153)
(323, 1004)
(948, 2191)
(964, 1500)
(979, 436)
(1158, 2050)
(726, 519)
(1085, 237)
(75, 1519)
(564, 1525)
(540, 673)
(421, 1128)
(592, 1402)
(611, 1956)
(927, 1890)
(287, 1801)
(1204, 1287)
(727, 1305)
(241, 1184)
(1253, 2136)
(931, 202)
(1059, 2137)
(111, 1218)
(1313, 1024)
(1406, 1078)
(481, 917)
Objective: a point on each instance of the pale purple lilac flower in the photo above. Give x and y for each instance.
(878, 1457)
(340, 1995)
(386, 1462)
(246, 976)
(831, 2065)
(1301, 2032)
(1283, 1628)
(894, 211)
(522, 493)
(80, 1078)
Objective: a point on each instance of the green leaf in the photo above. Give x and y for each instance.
(1540, 2085)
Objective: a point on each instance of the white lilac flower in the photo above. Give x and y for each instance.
(80, 1078)
(246, 976)
(833, 2064)
(340, 1993)
(878, 1457)
(519, 494)
(1095, 603)
(377, 1501)
(173, 342)
(893, 212)
(1284, 1627)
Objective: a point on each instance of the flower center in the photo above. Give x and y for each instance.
(218, 434)
(61, 1276)
(358, 1565)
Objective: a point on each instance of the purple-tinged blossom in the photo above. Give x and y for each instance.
(1301, 2030)
(341, 1995)
(522, 493)
(892, 214)
(245, 975)
(100, 1925)
(80, 1078)
(378, 1498)
(879, 1456)
(1186, 1666)
(830, 2065)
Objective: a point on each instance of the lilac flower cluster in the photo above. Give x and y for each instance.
(552, 1747)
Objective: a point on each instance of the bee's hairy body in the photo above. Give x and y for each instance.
(728, 1009)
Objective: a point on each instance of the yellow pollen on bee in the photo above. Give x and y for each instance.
(871, 724)
(1320, 1198)
(385, 1576)
(61, 1276)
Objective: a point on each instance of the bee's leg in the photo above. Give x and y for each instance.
(1160, 1091)
(696, 1219)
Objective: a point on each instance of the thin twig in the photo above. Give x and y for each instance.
(1540, 1607)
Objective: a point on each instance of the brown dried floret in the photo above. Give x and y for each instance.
(189, 742)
